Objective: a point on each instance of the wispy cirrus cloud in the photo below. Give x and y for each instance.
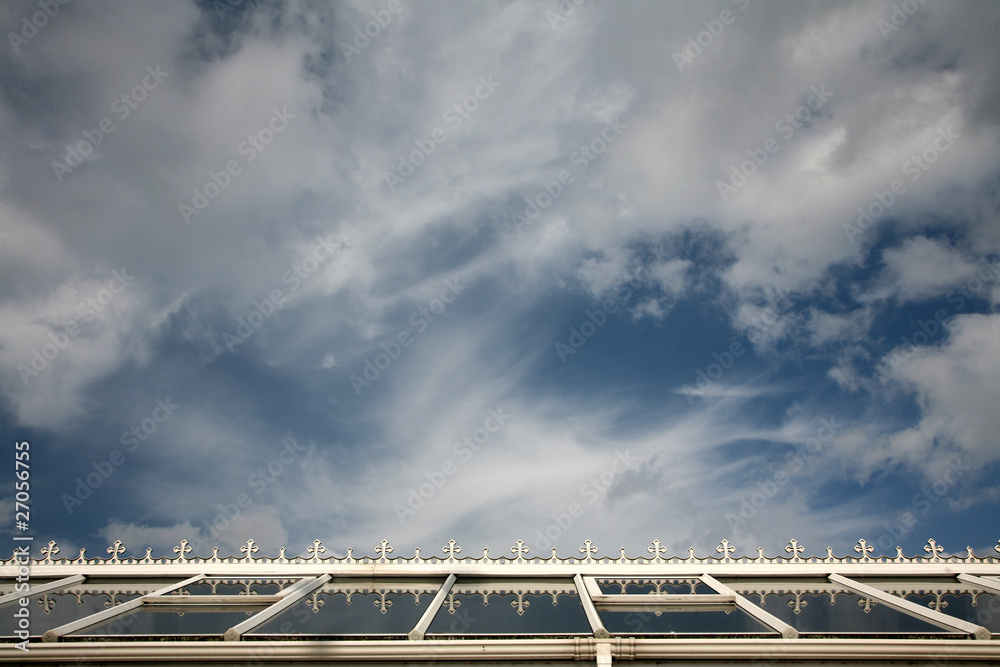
(588, 172)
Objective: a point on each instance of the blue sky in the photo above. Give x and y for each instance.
(502, 270)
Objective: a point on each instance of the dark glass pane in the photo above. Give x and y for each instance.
(982, 609)
(527, 614)
(53, 610)
(847, 613)
(682, 622)
(165, 621)
(334, 614)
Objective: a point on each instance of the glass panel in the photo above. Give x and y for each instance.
(54, 609)
(510, 613)
(843, 613)
(683, 622)
(642, 586)
(983, 609)
(333, 613)
(165, 621)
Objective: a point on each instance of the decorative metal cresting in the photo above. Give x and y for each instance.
(266, 588)
(520, 550)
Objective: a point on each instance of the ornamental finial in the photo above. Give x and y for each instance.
(316, 549)
(249, 549)
(182, 550)
(933, 548)
(451, 549)
(115, 549)
(383, 550)
(795, 549)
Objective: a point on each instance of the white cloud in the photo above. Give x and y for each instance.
(827, 327)
(955, 386)
(53, 347)
(262, 525)
(671, 276)
(921, 268)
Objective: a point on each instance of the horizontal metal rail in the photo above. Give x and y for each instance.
(210, 600)
(681, 650)
(664, 600)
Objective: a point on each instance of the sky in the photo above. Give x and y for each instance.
(497, 271)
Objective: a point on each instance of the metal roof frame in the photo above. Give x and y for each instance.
(881, 579)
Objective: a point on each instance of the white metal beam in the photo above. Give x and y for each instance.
(101, 616)
(755, 610)
(420, 629)
(285, 599)
(589, 609)
(42, 588)
(931, 616)
(814, 567)
(210, 600)
(665, 600)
